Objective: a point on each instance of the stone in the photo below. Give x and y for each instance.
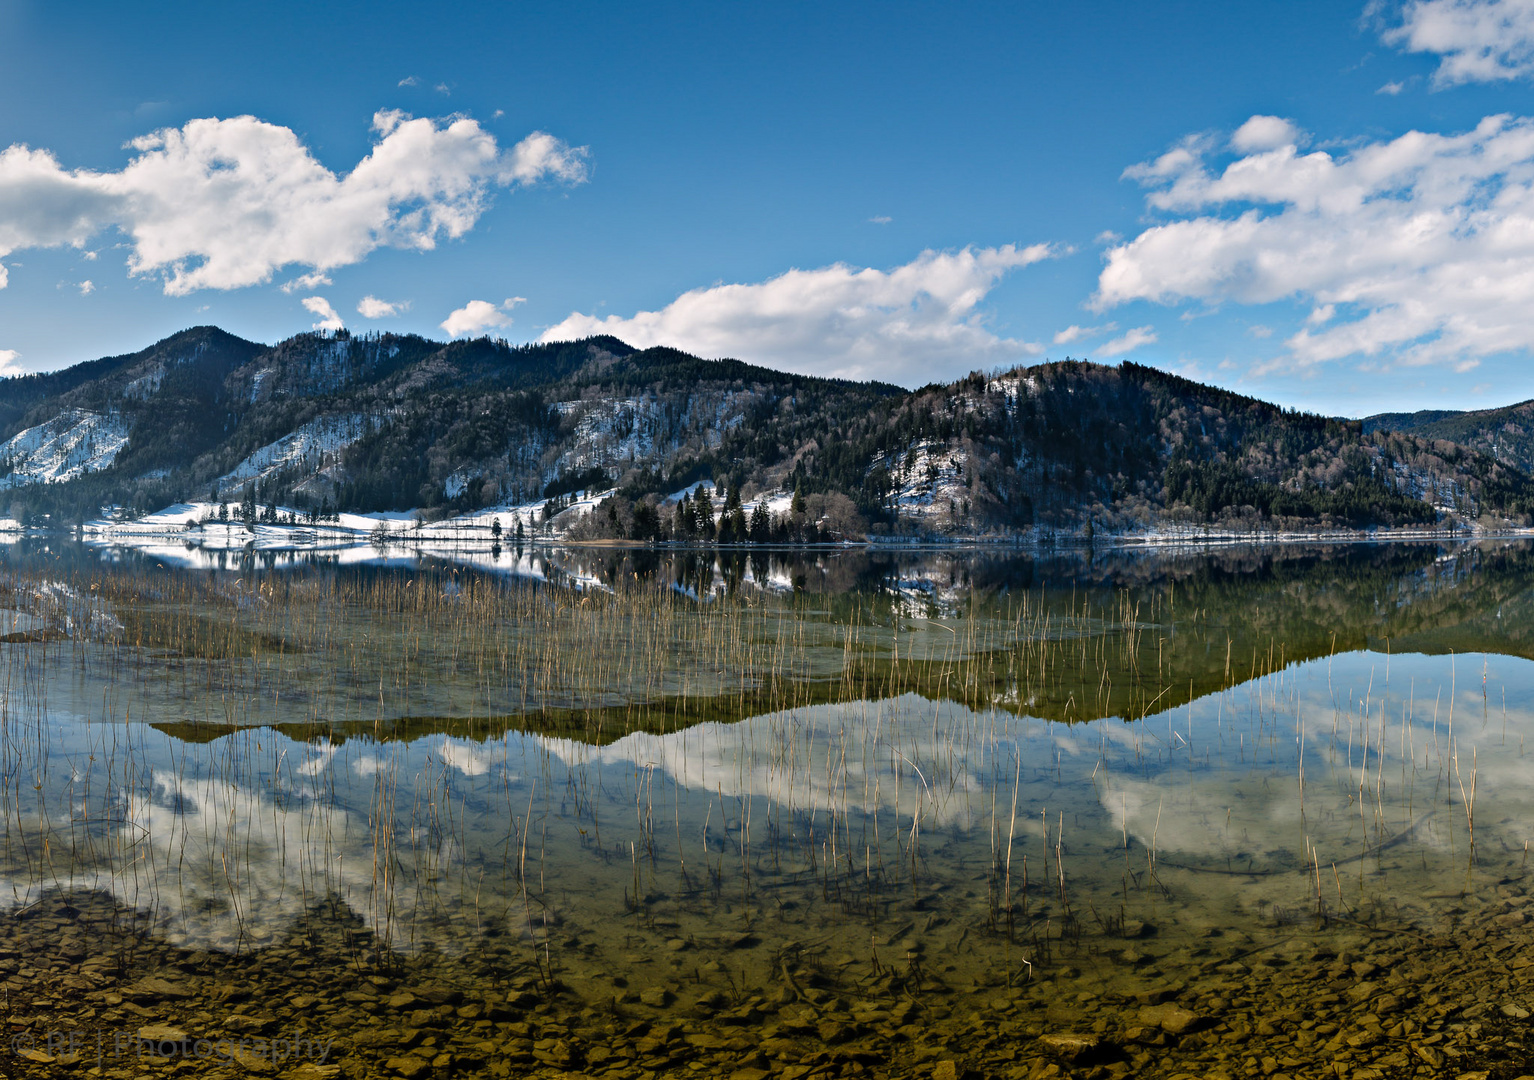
(409, 1066)
(310, 1071)
(154, 988)
(158, 1033)
(1170, 1018)
(1068, 1046)
(947, 1069)
(656, 997)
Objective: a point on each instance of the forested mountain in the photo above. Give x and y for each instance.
(327, 422)
(1506, 433)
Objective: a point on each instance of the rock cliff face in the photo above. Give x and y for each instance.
(323, 423)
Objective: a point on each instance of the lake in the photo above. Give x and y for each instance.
(1233, 811)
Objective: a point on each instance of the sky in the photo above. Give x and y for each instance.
(1327, 205)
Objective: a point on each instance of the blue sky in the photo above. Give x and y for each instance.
(898, 191)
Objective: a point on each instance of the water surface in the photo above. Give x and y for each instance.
(798, 813)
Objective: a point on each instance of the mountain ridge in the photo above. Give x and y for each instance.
(323, 422)
(1505, 432)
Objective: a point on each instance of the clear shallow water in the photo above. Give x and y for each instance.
(840, 862)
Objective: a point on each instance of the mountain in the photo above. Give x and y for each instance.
(326, 422)
(1506, 433)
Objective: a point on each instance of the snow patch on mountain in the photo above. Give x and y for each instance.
(73, 443)
(612, 432)
(145, 386)
(311, 445)
(929, 482)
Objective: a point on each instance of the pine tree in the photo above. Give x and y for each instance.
(684, 522)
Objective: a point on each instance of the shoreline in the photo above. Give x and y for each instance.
(328, 538)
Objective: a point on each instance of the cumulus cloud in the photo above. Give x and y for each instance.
(475, 317)
(909, 325)
(1263, 133)
(10, 363)
(87, 287)
(329, 320)
(1477, 40)
(1132, 339)
(1076, 333)
(1419, 248)
(221, 204)
(305, 282)
(370, 307)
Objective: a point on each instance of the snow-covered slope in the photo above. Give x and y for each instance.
(72, 444)
(309, 445)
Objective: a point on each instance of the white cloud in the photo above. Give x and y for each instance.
(1419, 249)
(370, 307)
(329, 319)
(1131, 340)
(882, 219)
(306, 282)
(1263, 133)
(221, 204)
(512, 301)
(1391, 88)
(1258, 330)
(1477, 40)
(911, 324)
(410, 80)
(1076, 333)
(87, 287)
(10, 363)
(475, 317)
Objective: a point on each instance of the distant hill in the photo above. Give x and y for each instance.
(389, 422)
(1507, 433)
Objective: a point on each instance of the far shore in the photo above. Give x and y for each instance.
(394, 531)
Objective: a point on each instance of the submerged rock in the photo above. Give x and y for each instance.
(1068, 1046)
(1171, 1018)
